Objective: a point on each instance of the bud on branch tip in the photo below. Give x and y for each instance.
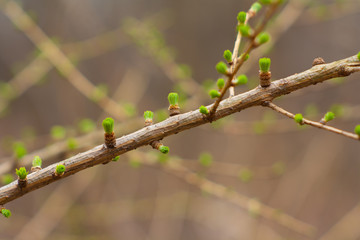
(298, 118)
(241, 17)
(264, 64)
(357, 130)
(108, 125)
(59, 170)
(203, 110)
(22, 173)
(228, 56)
(221, 67)
(173, 99)
(6, 212)
(214, 94)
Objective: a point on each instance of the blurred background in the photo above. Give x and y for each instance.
(252, 175)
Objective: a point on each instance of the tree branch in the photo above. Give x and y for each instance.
(182, 122)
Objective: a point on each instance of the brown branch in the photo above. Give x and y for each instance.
(312, 123)
(182, 122)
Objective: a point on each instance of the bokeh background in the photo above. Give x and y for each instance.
(135, 53)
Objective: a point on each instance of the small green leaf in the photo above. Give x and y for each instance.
(173, 99)
(329, 116)
(58, 132)
(262, 38)
(220, 83)
(221, 67)
(115, 159)
(241, 17)
(19, 150)
(255, 7)
(264, 64)
(245, 30)
(6, 212)
(108, 125)
(164, 149)
(86, 125)
(203, 110)
(60, 169)
(214, 93)
(205, 159)
(228, 55)
(36, 161)
(22, 173)
(357, 129)
(148, 115)
(298, 118)
(241, 80)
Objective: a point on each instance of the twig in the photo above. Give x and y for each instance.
(181, 123)
(312, 123)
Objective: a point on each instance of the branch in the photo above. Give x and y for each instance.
(181, 122)
(312, 123)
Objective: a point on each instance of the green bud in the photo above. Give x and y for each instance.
(6, 212)
(203, 110)
(58, 132)
(205, 159)
(148, 115)
(173, 99)
(246, 175)
(241, 80)
(86, 125)
(228, 55)
(246, 57)
(214, 93)
(221, 67)
(22, 173)
(6, 179)
(220, 83)
(358, 56)
(298, 118)
(262, 38)
(329, 116)
(264, 64)
(72, 143)
(115, 159)
(60, 169)
(357, 129)
(241, 17)
(265, 2)
(245, 30)
(108, 125)
(256, 7)
(36, 162)
(164, 149)
(19, 150)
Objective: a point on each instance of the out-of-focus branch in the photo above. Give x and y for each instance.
(181, 122)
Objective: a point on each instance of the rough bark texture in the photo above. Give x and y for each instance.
(181, 122)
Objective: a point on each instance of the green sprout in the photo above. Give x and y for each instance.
(148, 116)
(357, 129)
(214, 93)
(264, 64)
(255, 7)
(72, 143)
(205, 159)
(329, 116)
(241, 17)
(220, 83)
(358, 55)
(173, 99)
(22, 173)
(6, 179)
(221, 67)
(241, 80)
(6, 212)
(115, 159)
(86, 125)
(108, 125)
(60, 169)
(228, 55)
(203, 110)
(298, 118)
(262, 38)
(58, 132)
(36, 161)
(19, 150)
(245, 30)
(164, 149)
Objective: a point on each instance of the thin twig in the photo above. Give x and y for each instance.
(312, 123)
(180, 123)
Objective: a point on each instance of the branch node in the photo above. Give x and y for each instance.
(318, 61)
